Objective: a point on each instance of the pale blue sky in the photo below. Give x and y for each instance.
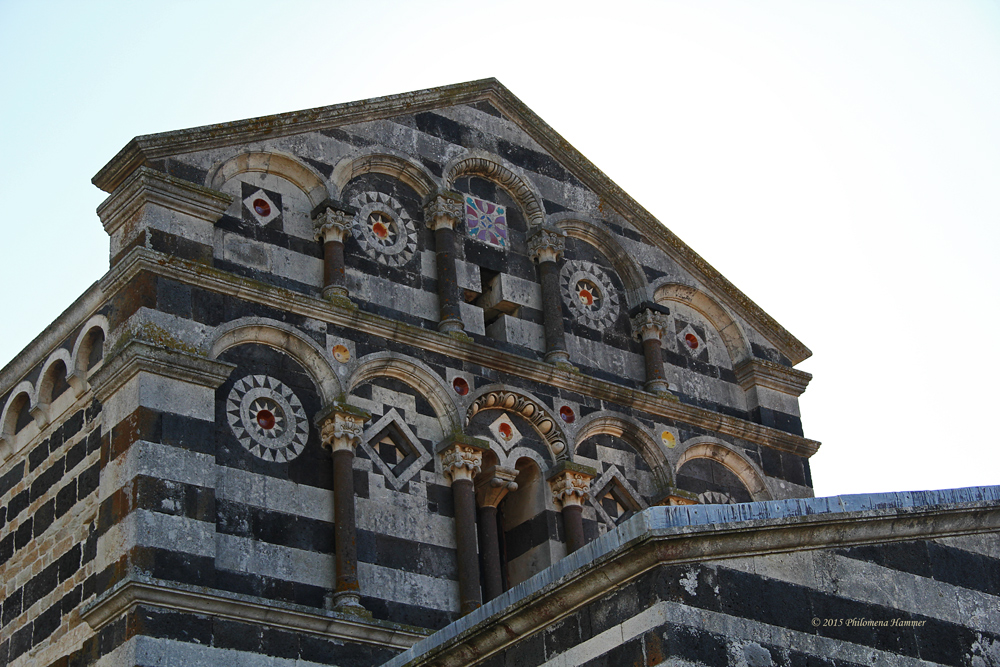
(838, 161)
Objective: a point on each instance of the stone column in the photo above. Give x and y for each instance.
(462, 458)
(649, 322)
(570, 484)
(442, 213)
(341, 428)
(493, 485)
(333, 224)
(546, 246)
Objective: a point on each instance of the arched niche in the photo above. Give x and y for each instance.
(382, 161)
(415, 374)
(635, 436)
(492, 168)
(730, 332)
(291, 169)
(285, 338)
(53, 381)
(594, 234)
(88, 350)
(751, 478)
(529, 408)
(531, 499)
(16, 416)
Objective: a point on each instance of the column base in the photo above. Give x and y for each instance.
(557, 357)
(658, 387)
(346, 603)
(451, 324)
(338, 296)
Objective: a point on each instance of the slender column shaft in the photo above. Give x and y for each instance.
(464, 494)
(573, 524)
(451, 314)
(555, 336)
(333, 267)
(651, 349)
(344, 531)
(489, 549)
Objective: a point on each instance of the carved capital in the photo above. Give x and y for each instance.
(546, 245)
(570, 485)
(342, 427)
(647, 324)
(461, 461)
(494, 484)
(333, 225)
(443, 209)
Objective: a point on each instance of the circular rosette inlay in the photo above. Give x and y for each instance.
(267, 418)
(384, 229)
(589, 293)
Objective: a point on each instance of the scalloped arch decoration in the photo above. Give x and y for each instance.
(490, 168)
(527, 408)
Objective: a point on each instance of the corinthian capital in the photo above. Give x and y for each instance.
(461, 456)
(647, 324)
(332, 224)
(546, 244)
(443, 209)
(570, 483)
(341, 427)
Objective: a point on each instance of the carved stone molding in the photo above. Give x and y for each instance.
(494, 484)
(570, 483)
(443, 209)
(761, 373)
(461, 461)
(648, 324)
(341, 427)
(531, 411)
(333, 224)
(546, 245)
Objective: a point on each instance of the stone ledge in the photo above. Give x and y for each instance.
(760, 373)
(143, 259)
(138, 356)
(177, 597)
(691, 534)
(148, 186)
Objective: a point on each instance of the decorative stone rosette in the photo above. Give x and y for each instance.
(384, 229)
(589, 293)
(267, 418)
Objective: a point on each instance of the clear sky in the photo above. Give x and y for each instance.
(838, 161)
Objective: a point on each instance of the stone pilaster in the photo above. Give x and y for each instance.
(649, 322)
(341, 428)
(442, 214)
(461, 460)
(546, 246)
(491, 487)
(570, 484)
(333, 224)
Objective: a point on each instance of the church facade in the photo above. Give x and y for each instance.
(411, 381)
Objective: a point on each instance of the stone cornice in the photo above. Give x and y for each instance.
(767, 374)
(644, 543)
(137, 356)
(148, 186)
(143, 259)
(143, 149)
(175, 597)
